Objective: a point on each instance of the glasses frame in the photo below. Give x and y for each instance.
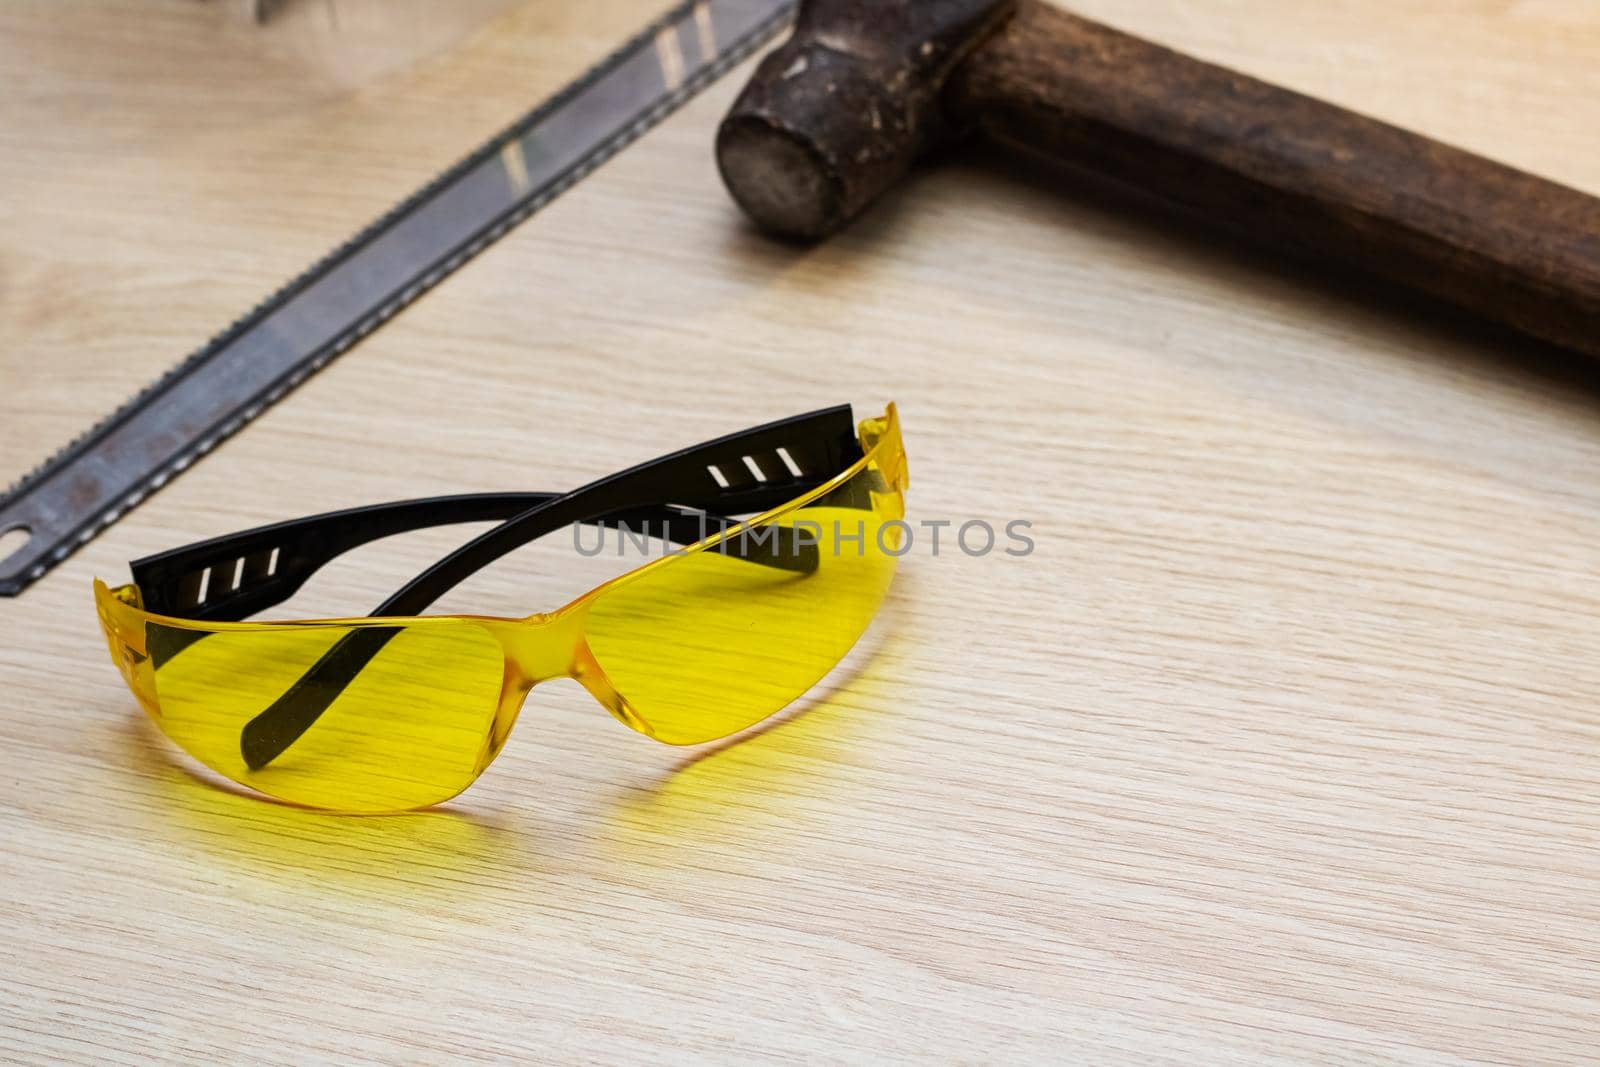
(705, 484)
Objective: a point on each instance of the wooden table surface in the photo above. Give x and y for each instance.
(1284, 745)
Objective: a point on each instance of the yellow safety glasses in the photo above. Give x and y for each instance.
(399, 711)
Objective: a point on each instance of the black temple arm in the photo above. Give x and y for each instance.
(243, 573)
(715, 476)
(230, 578)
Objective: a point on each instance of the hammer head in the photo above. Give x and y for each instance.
(839, 112)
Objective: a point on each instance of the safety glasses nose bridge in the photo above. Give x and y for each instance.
(536, 649)
(542, 648)
(539, 647)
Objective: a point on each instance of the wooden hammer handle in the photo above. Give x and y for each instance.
(1286, 169)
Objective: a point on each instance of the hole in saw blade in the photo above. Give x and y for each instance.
(13, 541)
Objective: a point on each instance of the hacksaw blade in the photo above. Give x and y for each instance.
(208, 397)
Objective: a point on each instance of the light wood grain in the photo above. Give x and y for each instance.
(1283, 746)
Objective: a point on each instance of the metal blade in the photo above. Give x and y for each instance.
(159, 433)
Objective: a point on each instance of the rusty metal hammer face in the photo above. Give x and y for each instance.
(838, 113)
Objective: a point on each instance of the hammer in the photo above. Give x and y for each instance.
(839, 112)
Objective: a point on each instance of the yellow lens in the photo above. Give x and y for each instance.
(705, 644)
(408, 730)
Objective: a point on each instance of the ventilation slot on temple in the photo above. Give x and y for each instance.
(717, 475)
(255, 568)
(238, 574)
(788, 461)
(755, 468)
